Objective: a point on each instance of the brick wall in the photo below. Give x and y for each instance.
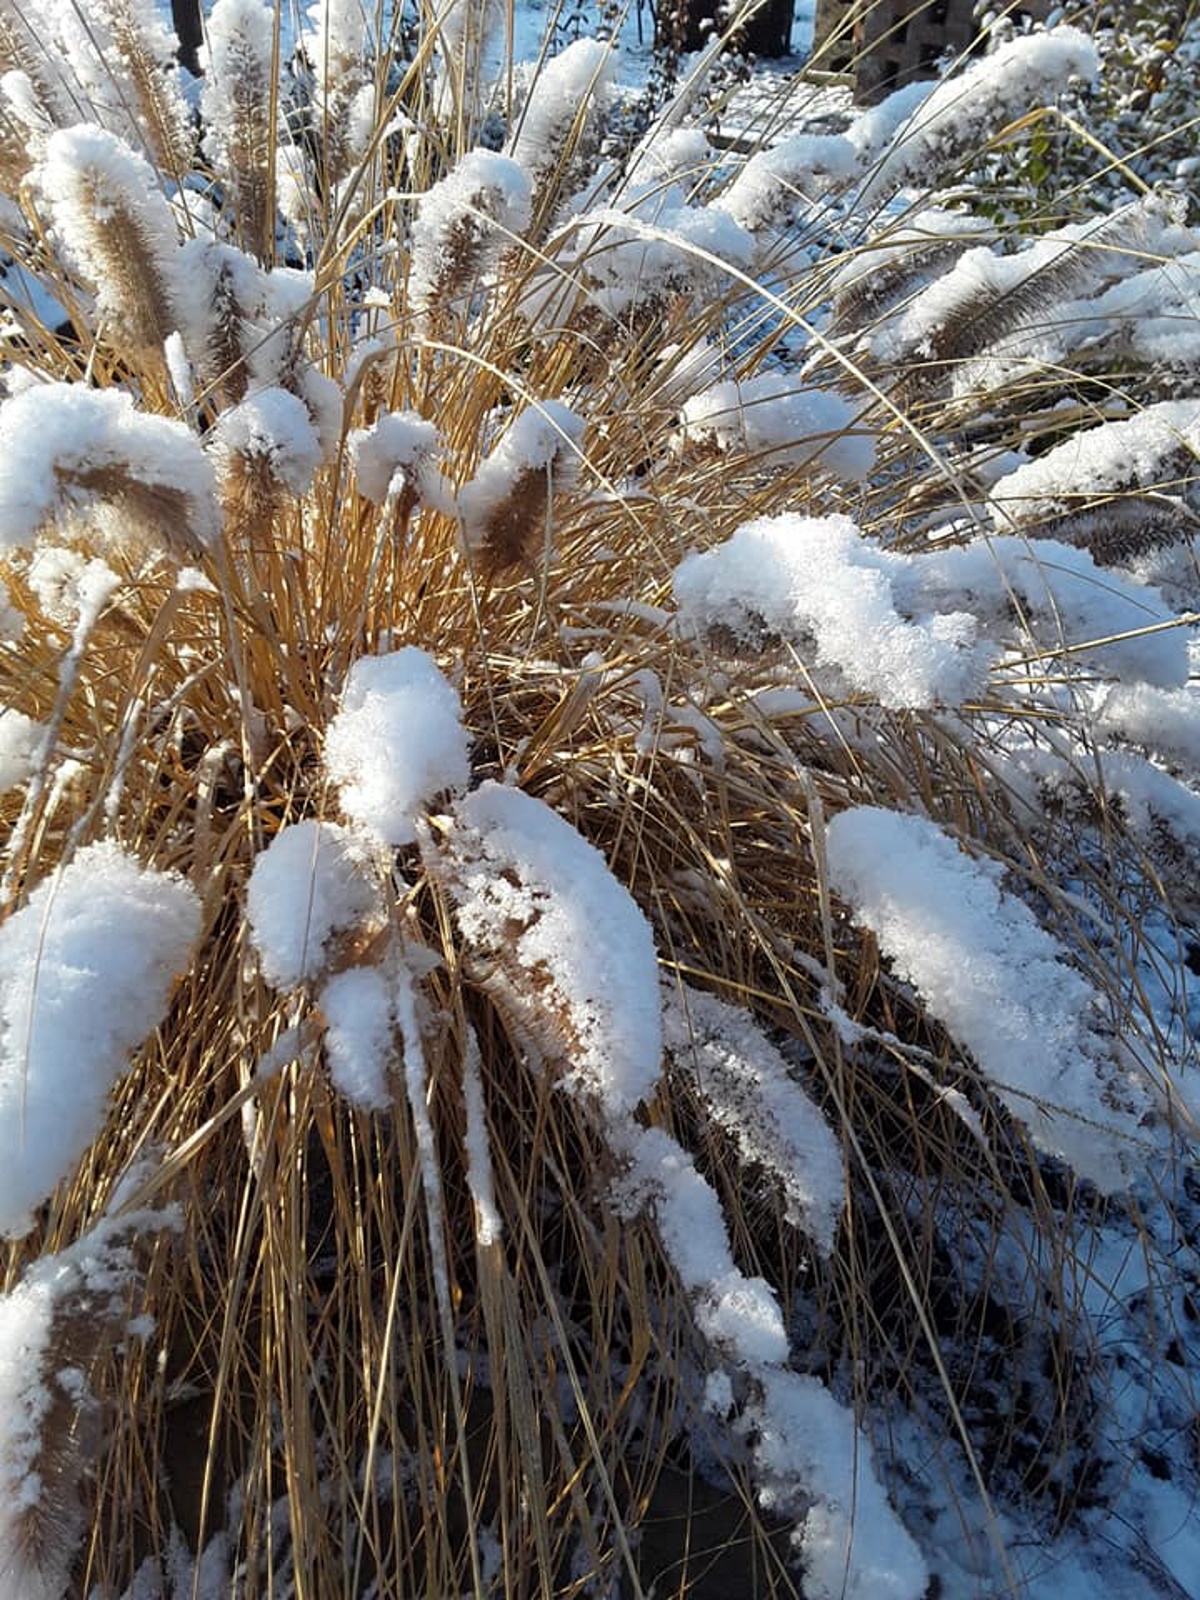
(886, 43)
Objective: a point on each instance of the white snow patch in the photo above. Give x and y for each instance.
(527, 885)
(777, 416)
(986, 968)
(813, 1462)
(360, 1039)
(397, 741)
(20, 740)
(85, 972)
(314, 880)
(819, 580)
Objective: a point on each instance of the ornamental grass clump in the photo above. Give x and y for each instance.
(599, 831)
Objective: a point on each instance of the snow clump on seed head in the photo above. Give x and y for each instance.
(311, 882)
(85, 971)
(66, 449)
(562, 945)
(397, 741)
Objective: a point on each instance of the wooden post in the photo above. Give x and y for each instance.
(189, 30)
(682, 25)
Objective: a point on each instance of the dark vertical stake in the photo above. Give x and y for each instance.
(189, 31)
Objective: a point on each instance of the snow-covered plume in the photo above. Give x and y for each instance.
(966, 109)
(265, 446)
(664, 159)
(85, 972)
(739, 1316)
(777, 416)
(1002, 986)
(464, 30)
(749, 1090)
(47, 92)
(68, 586)
(20, 740)
(462, 225)
(818, 582)
(899, 259)
(397, 456)
(359, 1007)
(116, 229)
(336, 42)
(812, 1461)
(397, 742)
(1098, 620)
(778, 183)
(113, 64)
(875, 127)
(506, 508)
(68, 451)
(561, 119)
(24, 128)
(236, 106)
(1156, 450)
(313, 883)
(245, 329)
(924, 629)
(636, 259)
(987, 299)
(122, 55)
(560, 945)
(222, 309)
(62, 1314)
